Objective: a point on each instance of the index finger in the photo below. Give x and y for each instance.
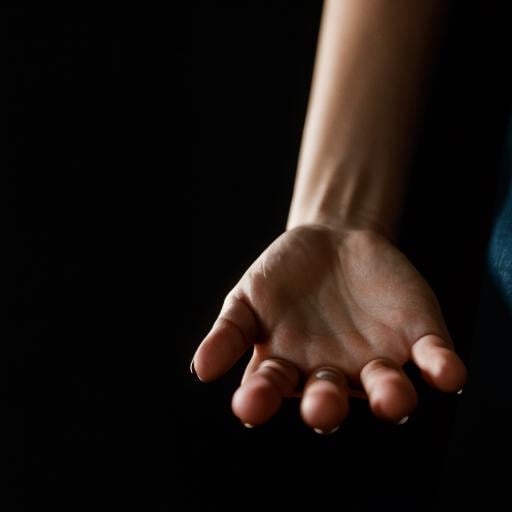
(234, 331)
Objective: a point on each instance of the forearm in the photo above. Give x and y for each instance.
(373, 58)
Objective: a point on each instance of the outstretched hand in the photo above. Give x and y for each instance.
(330, 314)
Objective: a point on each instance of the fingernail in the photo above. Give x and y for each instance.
(405, 419)
(460, 391)
(247, 425)
(323, 432)
(192, 369)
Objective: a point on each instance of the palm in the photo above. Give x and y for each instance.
(325, 298)
(320, 298)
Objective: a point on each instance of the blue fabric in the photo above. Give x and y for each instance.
(492, 346)
(499, 254)
(480, 441)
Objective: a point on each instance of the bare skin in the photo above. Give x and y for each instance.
(347, 302)
(332, 308)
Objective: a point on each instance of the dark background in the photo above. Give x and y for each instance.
(150, 158)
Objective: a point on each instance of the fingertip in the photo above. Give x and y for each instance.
(445, 371)
(440, 366)
(391, 394)
(238, 404)
(393, 401)
(256, 401)
(323, 410)
(200, 367)
(233, 332)
(194, 372)
(324, 405)
(219, 351)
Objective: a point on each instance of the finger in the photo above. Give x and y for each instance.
(390, 392)
(262, 393)
(439, 364)
(252, 366)
(324, 403)
(234, 331)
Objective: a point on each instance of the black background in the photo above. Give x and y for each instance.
(150, 157)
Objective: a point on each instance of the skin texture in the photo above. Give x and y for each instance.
(347, 302)
(371, 70)
(332, 308)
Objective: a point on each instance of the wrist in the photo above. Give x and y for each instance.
(365, 196)
(345, 218)
(349, 226)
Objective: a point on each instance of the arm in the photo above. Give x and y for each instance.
(332, 309)
(372, 62)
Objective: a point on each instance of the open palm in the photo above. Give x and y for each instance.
(330, 314)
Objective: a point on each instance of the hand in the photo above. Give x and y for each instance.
(330, 314)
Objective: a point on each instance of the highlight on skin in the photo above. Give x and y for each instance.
(334, 293)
